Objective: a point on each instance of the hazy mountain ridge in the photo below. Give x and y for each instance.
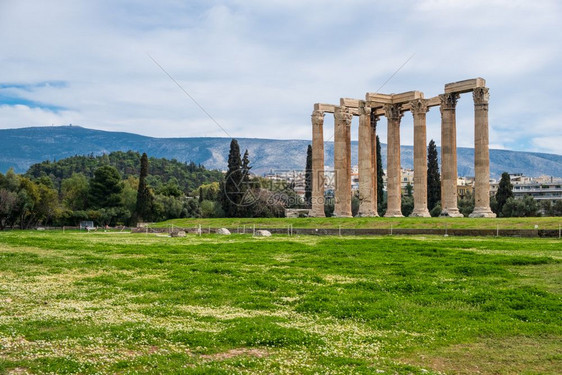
(19, 148)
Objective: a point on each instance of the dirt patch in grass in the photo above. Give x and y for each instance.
(496, 356)
(232, 353)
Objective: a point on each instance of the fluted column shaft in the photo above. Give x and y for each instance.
(342, 161)
(367, 207)
(449, 155)
(317, 164)
(374, 120)
(393, 186)
(481, 155)
(419, 110)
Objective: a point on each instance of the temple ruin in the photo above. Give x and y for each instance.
(393, 106)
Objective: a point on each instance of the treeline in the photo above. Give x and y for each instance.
(103, 189)
(187, 176)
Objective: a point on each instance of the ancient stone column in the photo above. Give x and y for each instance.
(367, 207)
(374, 120)
(449, 155)
(419, 109)
(317, 164)
(393, 173)
(342, 161)
(481, 155)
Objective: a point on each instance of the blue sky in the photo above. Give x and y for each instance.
(259, 66)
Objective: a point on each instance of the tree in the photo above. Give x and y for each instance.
(308, 177)
(466, 204)
(246, 168)
(409, 189)
(75, 192)
(505, 191)
(407, 205)
(105, 188)
(380, 182)
(231, 193)
(433, 177)
(7, 205)
(526, 207)
(143, 209)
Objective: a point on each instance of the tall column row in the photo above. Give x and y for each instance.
(367, 163)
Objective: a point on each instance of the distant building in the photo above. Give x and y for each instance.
(541, 188)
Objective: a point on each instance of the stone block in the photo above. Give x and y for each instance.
(263, 233)
(179, 233)
(328, 108)
(464, 86)
(223, 231)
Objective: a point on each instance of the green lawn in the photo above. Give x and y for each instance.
(137, 303)
(375, 223)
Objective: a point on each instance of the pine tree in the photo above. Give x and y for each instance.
(105, 188)
(231, 192)
(433, 177)
(380, 183)
(308, 177)
(144, 195)
(505, 191)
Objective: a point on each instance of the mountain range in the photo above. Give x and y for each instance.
(20, 148)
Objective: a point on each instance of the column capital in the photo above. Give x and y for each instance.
(418, 106)
(365, 111)
(449, 101)
(342, 114)
(481, 95)
(317, 117)
(393, 111)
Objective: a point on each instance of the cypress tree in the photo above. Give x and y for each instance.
(246, 169)
(144, 196)
(231, 191)
(308, 177)
(505, 191)
(380, 183)
(433, 177)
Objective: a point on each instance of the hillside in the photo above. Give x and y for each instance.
(187, 176)
(20, 148)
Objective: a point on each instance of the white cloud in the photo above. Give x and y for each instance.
(258, 66)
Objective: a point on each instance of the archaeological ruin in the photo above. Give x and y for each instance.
(393, 106)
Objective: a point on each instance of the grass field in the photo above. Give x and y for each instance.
(374, 223)
(136, 303)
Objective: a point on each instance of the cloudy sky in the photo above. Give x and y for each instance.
(257, 67)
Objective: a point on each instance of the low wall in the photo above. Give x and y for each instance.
(549, 233)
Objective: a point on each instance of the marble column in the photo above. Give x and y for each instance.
(374, 120)
(393, 173)
(481, 155)
(419, 109)
(449, 155)
(367, 206)
(317, 164)
(342, 161)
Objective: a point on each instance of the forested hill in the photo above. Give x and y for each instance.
(188, 176)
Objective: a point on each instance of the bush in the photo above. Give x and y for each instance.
(526, 207)
(436, 211)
